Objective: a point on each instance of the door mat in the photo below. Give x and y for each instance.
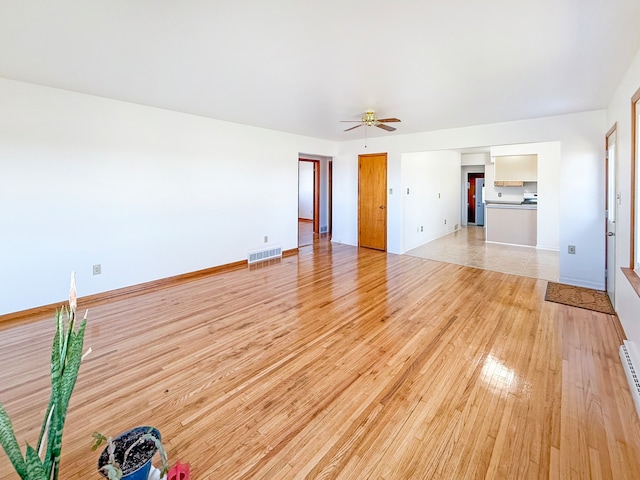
(580, 297)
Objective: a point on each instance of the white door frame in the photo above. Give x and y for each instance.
(611, 208)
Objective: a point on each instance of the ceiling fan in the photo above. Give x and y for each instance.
(369, 119)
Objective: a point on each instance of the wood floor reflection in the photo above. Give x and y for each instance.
(467, 246)
(343, 363)
(305, 233)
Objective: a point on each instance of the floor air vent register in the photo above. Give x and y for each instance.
(265, 254)
(632, 374)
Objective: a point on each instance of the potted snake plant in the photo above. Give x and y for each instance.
(129, 455)
(43, 462)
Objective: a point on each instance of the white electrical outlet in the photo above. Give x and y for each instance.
(97, 269)
(266, 239)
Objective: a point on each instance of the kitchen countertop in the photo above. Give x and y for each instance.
(524, 206)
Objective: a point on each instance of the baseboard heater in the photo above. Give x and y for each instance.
(265, 254)
(628, 358)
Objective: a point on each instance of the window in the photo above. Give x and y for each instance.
(634, 265)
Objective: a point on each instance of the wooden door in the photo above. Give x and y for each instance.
(372, 201)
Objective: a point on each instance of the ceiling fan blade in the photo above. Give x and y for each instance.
(355, 127)
(387, 120)
(385, 127)
(351, 121)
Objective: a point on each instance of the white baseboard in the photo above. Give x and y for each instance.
(553, 248)
(581, 283)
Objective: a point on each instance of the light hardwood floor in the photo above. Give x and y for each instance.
(343, 363)
(305, 233)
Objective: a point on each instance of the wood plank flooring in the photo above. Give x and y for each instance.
(343, 363)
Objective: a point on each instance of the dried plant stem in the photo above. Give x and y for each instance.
(43, 442)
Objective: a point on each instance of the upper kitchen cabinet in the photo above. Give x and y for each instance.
(514, 170)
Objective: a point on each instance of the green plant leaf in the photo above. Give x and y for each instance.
(62, 390)
(34, 466)
(54, 402)
(66, 356)
(10, 444)
(72, 366)
(64, 373)
(98, 439)
(113, 473)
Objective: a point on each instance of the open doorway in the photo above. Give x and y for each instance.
(308, 200)
(475, 199)
(314, 199)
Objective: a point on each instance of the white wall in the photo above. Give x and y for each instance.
(431, 195)
(627, 302)
(580, 182)
(477, 159)
(150, 193)
(146, 193)
(305, 190)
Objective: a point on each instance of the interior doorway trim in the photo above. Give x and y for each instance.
(372, 201)
(611, 209)
(316, 192)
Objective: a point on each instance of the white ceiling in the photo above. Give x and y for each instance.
(301, 66)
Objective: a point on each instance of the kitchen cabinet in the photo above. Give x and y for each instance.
(508, 183)
(514, 170)
(512, 224)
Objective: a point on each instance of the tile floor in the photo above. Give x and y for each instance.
(467, 246)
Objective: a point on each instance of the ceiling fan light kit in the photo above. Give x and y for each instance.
(369, 119)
